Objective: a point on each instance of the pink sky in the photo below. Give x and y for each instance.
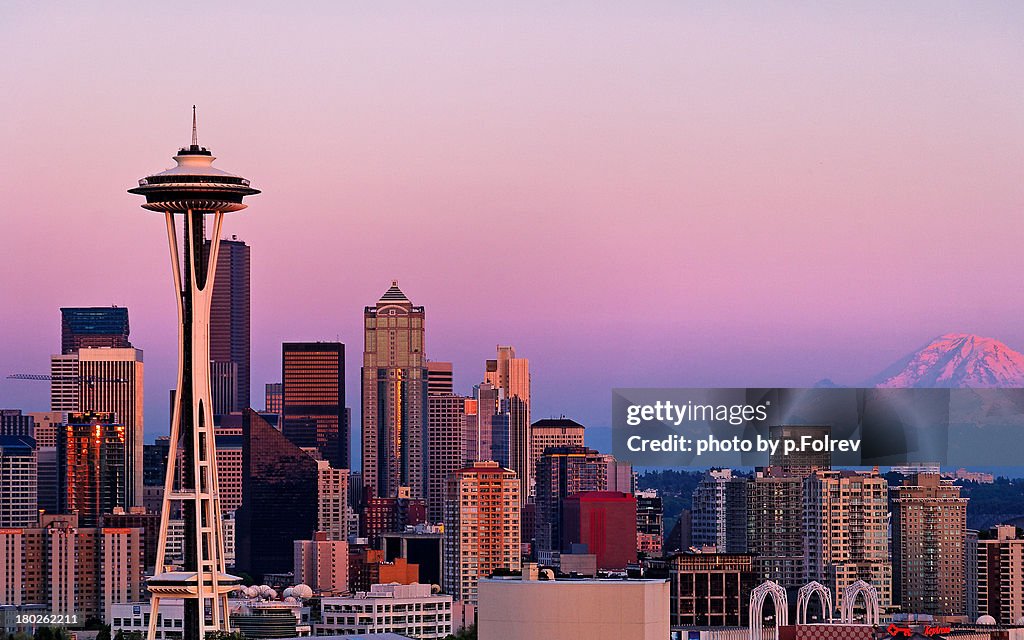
(677, 194)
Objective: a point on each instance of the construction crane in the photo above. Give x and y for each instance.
(42, 377)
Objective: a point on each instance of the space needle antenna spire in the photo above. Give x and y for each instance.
(188, 195)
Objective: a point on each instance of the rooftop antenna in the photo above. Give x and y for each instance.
(195, 135)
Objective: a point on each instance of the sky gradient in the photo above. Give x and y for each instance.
(668, 194)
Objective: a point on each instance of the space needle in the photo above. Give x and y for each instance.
(197, 191)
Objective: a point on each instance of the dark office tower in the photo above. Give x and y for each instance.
(12, 423)
(562, 472)
(394, 382)
(19, 481)
(91, 473)
(446, 425)
(801, 463)
(439, 379)
(154, 462)
(313, 406)
(87, 327)
(229, 328)
(274, 397)
(48, 480)
(279, 499)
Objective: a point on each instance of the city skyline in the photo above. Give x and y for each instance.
(739, 190)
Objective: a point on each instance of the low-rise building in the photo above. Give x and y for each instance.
(411, 610)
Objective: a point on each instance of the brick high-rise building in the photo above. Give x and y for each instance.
(71, 569)
(929, 528)
(229, 328)
(92, 477)
(1000, 560)
(482, 532)
(389, 515)
(229, 470)
(313, 405)
(604, 521)
(394, 384)
(856, 549)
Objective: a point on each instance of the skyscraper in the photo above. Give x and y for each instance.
(929, 529)
(562, 472)
(106, 380)
(313, 405)
(197, 190)
(92, 477)
(719, 514)
(838, 556)
(512, 376)
(229, 327)
(394, 383)
(1000, 562)
(446, 426)
(279, 498)
(90, 327)
(775, 532)
(553, 432)
(487, 425)
(19, 484)
(481, 517)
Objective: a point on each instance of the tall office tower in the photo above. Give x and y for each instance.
(604, 522)
(929, 526)
(858, 549)
(274, 397)
(45, 425)
(775, 533)
(48, 482)
(487, 425)
(332, 501)
(512, 376)
(229, 327)
(1000, 568)
(481, 517)
(554, 432)
(394, 397)
(19, 502)
(440, 381)
(800, 462)
(105, 380)
(650, 523)
(279, 498)
(562, 472)
(680, 536)
(195, 189)
(91, 327)
(313, 405)
(446, 424)
(92, 476)
(619, 474)
(13, 423)
(229, 470)
(719, 513)
(322, 564)
(711, 589)
(154, 461)
(71, 570)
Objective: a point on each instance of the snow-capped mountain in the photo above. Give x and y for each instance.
(956, 360)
